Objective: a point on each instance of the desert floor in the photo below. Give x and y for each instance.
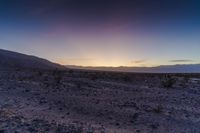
(75, 101)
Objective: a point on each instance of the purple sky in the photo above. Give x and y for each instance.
(103, 32)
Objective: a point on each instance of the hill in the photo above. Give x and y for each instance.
(9, 60)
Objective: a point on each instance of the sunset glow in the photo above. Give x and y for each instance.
(120, 33)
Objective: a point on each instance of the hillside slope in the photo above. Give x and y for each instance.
(9, 59)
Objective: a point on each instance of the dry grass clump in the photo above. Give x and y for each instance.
(168, 81)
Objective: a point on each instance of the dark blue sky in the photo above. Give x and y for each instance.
(103, 32)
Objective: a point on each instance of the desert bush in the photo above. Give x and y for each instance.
(94, 77)
(158, 109)
(58, 76)
(126, 78)
(184, 82)
(71, 71)
(39, 73)
(168, 81)
(71, 128)
(186, 79)
(78, 85)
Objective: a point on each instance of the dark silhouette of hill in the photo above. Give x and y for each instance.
(9, 59)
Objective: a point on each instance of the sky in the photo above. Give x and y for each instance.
(103, 32)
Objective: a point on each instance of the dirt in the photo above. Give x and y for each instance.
(76, 101)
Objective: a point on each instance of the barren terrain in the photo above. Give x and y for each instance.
(75, 101)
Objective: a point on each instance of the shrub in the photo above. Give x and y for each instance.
(58, 76)
(158, 109)
(94, 77)
(71, 71)
(127, 78)
(78, 85)
(168, 82)
(39, 73)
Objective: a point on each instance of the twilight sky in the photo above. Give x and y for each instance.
(103, 32)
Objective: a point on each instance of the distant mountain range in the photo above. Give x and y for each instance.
(9, 59)
(187, 68)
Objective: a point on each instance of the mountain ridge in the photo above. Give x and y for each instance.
(178, 68)
(11, 59)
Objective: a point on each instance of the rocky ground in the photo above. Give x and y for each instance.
(75, 101)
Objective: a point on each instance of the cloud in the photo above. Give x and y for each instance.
(138, 61)
(185, 60)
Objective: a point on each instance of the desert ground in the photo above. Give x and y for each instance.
(80, 101)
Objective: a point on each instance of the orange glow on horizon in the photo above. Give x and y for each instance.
(101, 63)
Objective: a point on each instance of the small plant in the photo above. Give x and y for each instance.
(78, 85)
(39, 73)
(168, 82)
(71, 71)
(58, 76)
(94, 77)
(127, 78)
(158, 109)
